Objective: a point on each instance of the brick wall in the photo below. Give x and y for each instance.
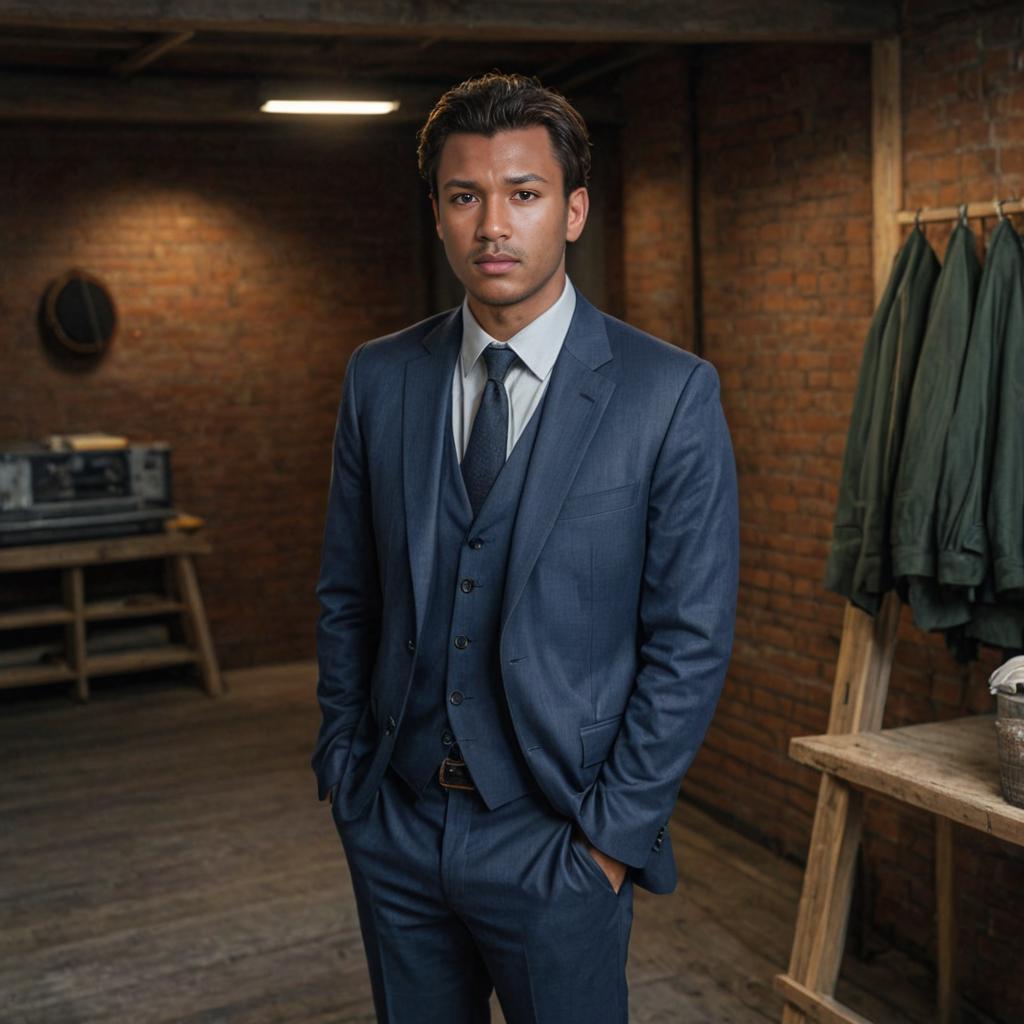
(786, 289)
(246, 267)
(785, 247)
(657, 201)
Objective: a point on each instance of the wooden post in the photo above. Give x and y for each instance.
(866, 649)
(886, 156)
(945, 899)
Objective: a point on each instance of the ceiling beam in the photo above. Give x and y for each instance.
(153, 99)
(152, 51)
(626, 57)
(662, 21)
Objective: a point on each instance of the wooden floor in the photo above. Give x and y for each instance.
(163, 858)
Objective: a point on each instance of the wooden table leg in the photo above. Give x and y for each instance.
(73, 581)
(858, 701)
(198, 627)
(945, 890)
(828, 887)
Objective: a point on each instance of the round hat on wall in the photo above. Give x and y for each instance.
(78, 314)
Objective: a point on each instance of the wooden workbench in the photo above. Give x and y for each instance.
(74, 611)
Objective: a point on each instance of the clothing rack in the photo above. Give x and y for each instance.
(949, 769)
(992, 208)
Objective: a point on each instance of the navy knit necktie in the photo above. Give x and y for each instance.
(488, 442)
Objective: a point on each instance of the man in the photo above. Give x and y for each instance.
(528, 590)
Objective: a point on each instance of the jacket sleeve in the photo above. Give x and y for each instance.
(963, 541)
(848, 526)
(686, 618)
(1005, 506)
(348, 628)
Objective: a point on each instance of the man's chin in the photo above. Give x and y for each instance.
(493, 294)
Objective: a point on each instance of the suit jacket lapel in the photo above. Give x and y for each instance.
(425, 431)
(573, 406)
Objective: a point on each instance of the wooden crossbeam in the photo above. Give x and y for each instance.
(816, 1007)
(637, 21)
(151, 52)
(155, 99)
(865, 654)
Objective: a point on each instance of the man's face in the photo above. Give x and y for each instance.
(503, 216)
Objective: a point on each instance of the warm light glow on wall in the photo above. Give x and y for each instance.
(329, 106)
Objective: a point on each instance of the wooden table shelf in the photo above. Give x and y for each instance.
(948, 768)
(34, 675)
(38, 615)
(73, 559)
(139, 659)
(135, 606)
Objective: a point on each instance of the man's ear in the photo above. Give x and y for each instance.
(577, 207)
(437, 217)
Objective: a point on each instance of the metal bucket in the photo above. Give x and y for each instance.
(1010, 706)
(1011, 759)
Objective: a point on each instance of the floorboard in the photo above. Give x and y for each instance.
(164, 860)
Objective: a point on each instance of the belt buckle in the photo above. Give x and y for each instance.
(454, 767)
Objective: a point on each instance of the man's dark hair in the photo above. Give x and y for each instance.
(496, 103)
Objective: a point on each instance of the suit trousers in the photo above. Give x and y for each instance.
(455, 900)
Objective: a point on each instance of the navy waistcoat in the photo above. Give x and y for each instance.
(456, 691)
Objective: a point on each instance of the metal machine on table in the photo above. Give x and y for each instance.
(70, 489)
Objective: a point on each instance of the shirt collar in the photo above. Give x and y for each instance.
(537, 344)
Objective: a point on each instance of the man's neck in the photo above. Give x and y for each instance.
(504, 322)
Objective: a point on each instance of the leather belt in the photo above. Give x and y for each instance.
(453, 773)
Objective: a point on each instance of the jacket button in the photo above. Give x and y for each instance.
(466, 586)
(410, 645)
(447, 737)
(456, 697)
(389, 726)
(476, 543)
(461, 642)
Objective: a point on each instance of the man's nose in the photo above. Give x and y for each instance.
(493, 221)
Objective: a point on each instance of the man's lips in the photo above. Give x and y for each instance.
(496, 263)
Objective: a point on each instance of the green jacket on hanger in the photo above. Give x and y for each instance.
(980, 515)
(932, 400)
(859, 565)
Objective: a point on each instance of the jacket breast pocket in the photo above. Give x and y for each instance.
(597, 739)
(597, 502)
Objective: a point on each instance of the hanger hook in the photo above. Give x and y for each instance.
(962, 210)
(999, 208)
(917, 218)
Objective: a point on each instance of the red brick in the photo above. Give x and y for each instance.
(234, 259)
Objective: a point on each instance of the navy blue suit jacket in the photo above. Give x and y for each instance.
(620, 593)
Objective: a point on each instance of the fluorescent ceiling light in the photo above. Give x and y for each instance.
(329, 106)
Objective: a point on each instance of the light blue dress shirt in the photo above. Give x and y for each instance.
(537, 345)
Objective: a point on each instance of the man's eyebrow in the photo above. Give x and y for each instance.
(518, 179)
(522, 179)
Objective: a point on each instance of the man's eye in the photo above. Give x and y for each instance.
(525, 196)
(463, 198)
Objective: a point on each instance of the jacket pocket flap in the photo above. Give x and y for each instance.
(600, 501)
(598, 738)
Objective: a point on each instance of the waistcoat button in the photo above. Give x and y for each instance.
(467, 586)
(476, 543)
(461, 642)
(410, 645)
(456, 697)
